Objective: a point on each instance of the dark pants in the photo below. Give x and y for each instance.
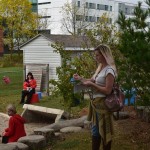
(28, 94)
(96, 138)
(5, 139)
(96, 142)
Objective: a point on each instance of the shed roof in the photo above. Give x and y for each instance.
(66, 40)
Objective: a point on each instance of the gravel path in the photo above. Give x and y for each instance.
(29, 127)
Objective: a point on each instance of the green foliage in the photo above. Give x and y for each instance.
(70, 13)
(103, 32)
(82, 64)
(8, 61)
(17, 21)
(135, 46)
(11, 93)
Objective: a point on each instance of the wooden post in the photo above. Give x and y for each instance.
(24, 72)
(47, 78)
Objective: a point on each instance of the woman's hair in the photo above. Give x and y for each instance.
(12, 108)
(106, 52)
(29, 73)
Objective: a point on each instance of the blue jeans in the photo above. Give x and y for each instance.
(95, 128)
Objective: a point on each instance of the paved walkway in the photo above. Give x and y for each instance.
(29, 127)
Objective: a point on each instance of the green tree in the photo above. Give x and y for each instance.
(82, 64)
(134, 44)
(74, 18)
(104, 31)
(18, 21)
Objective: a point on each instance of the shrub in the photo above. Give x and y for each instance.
(7, 61)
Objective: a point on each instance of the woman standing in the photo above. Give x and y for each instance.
(102, 120)
(29, 86)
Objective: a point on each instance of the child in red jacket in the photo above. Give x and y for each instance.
(15, 129)
(29, 86)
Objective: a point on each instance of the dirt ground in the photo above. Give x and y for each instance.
(133, 131)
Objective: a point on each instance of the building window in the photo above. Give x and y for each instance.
(91, 5)
(45, 31)
(98, 6)
(110, 8)
(79, 31)
(86, 5)
(91, 19)
(34, 4)
(126, 10)
(78, 3)
(110, 20)
(86, 18)
(102, 7)
(132, 11)
(106, 7)
(34, 8)
(98, 19)
(79, 17)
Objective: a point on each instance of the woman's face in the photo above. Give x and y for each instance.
(99, 57)
(29, 76)
(10, 112)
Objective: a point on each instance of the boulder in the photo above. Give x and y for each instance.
(70, 129)
(20, 146)
(47, 133)
(34, 141)
(8, 147)
(79, 122)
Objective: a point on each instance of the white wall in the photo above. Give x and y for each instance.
(39, 51)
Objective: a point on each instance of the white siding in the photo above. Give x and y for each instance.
(39, 51)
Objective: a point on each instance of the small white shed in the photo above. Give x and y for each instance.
(39, 57)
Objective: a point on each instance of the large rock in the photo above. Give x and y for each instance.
(70, 129)
(35, 142)
(8, 147)
(146, 115)
(73, 122)
(143, 112)
(47, 133)
(20, 146)
(121, 115)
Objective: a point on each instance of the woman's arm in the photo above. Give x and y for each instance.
(11, 129)
(107, 89)
(79, 78)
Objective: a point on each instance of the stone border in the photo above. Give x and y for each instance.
(42, 136)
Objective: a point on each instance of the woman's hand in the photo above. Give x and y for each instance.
(3, 133)
(77, 77)
(87, 83)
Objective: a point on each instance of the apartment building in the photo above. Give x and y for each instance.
(51, 11)
(34, 5)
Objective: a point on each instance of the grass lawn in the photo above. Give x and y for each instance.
(124, 139)
(11, 93)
